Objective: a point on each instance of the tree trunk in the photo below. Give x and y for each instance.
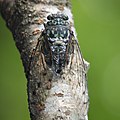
(51, 96)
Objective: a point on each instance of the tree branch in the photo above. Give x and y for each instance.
(50, 96)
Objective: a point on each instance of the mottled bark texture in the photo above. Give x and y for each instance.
(50, 97)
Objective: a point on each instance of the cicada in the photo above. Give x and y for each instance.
(58, 50)
(57, 42)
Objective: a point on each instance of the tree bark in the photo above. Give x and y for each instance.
(50, 96)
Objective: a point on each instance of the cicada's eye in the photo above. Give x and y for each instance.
(50, 17)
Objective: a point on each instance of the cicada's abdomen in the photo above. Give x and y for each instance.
(56, 40)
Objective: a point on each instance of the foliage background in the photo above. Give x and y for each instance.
(98, 26)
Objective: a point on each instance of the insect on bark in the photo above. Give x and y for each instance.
(57, 42)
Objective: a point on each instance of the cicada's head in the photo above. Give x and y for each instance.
(57, 28)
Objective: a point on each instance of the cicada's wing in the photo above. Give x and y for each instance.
(79, 57)
(78, 66)
(37, 62)
(76, 59)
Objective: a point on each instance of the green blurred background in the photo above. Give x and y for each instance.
(98, 27)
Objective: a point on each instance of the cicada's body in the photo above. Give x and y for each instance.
(57, 43)
(57, 55)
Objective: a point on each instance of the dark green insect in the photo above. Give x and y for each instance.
(57, 43)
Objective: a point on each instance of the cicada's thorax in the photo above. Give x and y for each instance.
(56, 40)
